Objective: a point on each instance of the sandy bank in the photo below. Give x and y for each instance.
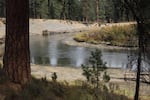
(37, 26)
(71, 74)
(63, 73)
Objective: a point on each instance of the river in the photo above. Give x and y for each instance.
(51, 51)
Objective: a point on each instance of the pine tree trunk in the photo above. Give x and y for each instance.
(34, 9)
(69, 10)
(139, 61)
(63, 15)
(97, 11)
(17, 56)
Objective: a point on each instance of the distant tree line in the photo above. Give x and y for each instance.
(80, 10)
(2, 8)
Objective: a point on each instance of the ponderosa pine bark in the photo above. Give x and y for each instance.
(17, 55)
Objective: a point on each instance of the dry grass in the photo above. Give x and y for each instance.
(41, 89)
(114, 35)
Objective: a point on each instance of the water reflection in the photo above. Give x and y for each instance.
(78, 55)
(115, 59)
(53, 53)
(48, 51)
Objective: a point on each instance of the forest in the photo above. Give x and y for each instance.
(74, 49)
(79, 10)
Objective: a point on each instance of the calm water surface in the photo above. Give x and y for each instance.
(50, 51)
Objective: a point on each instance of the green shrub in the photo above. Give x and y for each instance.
(106, 77)
(93, 69)
(54, 77)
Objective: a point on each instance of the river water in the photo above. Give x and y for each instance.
(49, 51)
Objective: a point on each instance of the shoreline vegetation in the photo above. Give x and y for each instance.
(121, 36)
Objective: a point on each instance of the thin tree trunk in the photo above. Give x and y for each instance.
(63, 14)
(140, 51)
(17, 56)
(97, 11)
(48, 1)
(35, 9)
(136, 96)
(69, 10)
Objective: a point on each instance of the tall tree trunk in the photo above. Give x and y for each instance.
(140, 29)
(17, 56)
(97, 11)
(136, 96)
(34, 9)
(49, 3)
(69, 10)
(138, 13)
(63, 14)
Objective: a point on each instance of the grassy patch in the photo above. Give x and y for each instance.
(115, 35)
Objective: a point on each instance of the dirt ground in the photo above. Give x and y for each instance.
(37, 26)
(70, 73)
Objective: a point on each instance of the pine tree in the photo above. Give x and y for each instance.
(17, 56)
(93, 69)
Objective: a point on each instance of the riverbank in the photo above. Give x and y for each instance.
(73, 77)
(37, 26)
(123, 36)
(72, 74)
(101, 46)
